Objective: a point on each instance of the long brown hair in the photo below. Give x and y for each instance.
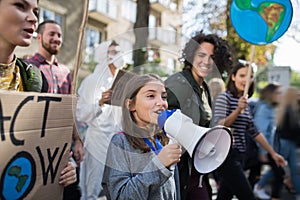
(132, 131)
(230, 86)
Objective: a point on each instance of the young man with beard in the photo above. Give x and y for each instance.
(49, 37)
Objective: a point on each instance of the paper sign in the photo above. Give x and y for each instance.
(36, 135)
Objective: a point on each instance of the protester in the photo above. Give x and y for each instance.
(18, 20)
(102, 118)
(139, 160)
(188, 92)
(252, 166)
(264, 119)
(232, 110)
(287, 140)
(58, 76)
(49, 37)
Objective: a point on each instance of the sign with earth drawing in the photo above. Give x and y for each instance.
(35, 140)
(261, 22)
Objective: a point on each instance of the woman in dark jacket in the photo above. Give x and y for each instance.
(188, 92)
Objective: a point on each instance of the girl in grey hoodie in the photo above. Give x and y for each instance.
(139, 159)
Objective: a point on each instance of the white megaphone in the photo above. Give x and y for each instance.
(208, 147)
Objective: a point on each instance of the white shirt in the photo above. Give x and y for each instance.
(103, 121)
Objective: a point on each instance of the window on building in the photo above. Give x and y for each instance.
(127, 48)
(129, 10)
(45, 14)
(172, 4)
(107, 7)
(152, 21)
(152, 27)
(92, 39)
(171, 64)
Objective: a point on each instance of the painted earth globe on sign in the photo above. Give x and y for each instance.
(18, 177)
(261, 22)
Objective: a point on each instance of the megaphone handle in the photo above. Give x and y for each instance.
(172, 141)
(200, 181)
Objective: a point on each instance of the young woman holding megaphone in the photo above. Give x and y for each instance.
(139, 160)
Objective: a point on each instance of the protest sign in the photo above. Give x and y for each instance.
(36, 135)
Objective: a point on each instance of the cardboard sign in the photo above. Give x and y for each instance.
(35, 140)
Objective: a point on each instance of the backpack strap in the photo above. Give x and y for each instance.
(32, 78)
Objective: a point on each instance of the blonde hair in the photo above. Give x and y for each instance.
(289, 100)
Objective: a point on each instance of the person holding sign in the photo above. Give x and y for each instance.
(102, 118)
(18, 20)
(139, 160)
(58, 76)
(232, 110)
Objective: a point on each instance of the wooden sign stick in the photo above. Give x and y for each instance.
(79, 45)
(249, 72)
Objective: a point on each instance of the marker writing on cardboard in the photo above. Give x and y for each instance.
(14, 140)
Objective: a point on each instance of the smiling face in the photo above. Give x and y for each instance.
(51, 38)
(240, 79)
(203, 62)
(18, 20)
(149, 102)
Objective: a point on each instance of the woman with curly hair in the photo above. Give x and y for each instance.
(203, 55)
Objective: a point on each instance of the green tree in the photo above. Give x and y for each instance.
(295, 79)
(214, 17)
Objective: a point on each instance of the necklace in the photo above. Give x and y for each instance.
(6, 69)
(10, 77)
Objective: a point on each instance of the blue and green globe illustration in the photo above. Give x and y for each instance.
(18, 178)
(261, 22)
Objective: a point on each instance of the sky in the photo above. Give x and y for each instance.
(288, 50)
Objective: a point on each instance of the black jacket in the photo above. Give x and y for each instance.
(184, 93)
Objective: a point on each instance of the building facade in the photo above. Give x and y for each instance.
(114, 20)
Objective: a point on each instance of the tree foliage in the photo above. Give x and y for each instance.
(214, 17)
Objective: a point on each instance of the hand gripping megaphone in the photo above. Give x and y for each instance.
(208, 147)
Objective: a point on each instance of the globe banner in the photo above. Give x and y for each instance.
(261, 22)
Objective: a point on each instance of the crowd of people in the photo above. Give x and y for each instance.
(124, 153)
